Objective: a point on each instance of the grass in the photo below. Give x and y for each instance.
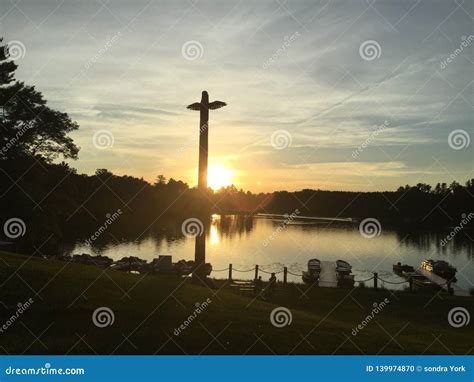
(149, 308)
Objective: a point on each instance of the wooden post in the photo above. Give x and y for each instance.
(410, 282)
(230, 272)
(375, 280)
(285, 275)
(203, 107)
(199, 275)
(256, 272)
(450, 290)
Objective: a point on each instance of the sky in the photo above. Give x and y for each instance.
(341, 95)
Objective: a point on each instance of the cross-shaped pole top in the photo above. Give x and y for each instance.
(204, 104)
(203, 107)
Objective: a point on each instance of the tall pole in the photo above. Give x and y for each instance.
(199, 274)
(200, 245)
(203, 141)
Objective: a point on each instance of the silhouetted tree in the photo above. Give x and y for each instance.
(160, 181)
(29, 127)
(57, 204)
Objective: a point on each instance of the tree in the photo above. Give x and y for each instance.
(176, 186)
(160, 181)
(103, 173)
(454, 186)
(28, 127)
(422, 187)
(470, 185)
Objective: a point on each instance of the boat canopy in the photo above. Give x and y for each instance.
(314, 264)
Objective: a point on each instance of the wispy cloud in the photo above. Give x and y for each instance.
(318, 88)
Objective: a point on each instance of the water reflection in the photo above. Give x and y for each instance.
(213, 235)
(246, 240)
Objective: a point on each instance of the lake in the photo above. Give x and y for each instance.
(276, 241)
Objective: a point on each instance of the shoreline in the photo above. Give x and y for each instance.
(67, 294)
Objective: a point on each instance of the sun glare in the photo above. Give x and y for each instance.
(219, 176)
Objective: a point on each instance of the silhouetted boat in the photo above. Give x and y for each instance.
(343, 274)
(398, 268)
(343, 267)
(441, 268)
(100, 261)
(130, 264)
(311, 276)
(162, 264)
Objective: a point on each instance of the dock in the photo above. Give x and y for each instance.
(309, 218)
(327, 277)
(438, 280)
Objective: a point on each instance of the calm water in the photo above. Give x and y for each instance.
(246, 241)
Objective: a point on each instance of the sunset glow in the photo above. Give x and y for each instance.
(307, 105)
(237, 169)
(219, 176)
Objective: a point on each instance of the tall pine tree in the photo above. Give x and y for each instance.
(28, 127)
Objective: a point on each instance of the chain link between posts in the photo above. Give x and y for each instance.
(394, 283)
(239, 270)
(300, 274)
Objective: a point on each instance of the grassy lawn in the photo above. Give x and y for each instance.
(148, 309)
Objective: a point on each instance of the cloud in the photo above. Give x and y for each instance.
(319, 88)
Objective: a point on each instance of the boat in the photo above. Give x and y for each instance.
(99, 260)
(440, 268)
(311, 276)
(343, 274)
(398, 268)
(130, 264)
(343, 267)
(184, 268)
(345, 280)
(162, 264)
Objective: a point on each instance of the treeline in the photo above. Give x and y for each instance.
(56, 202)
(414, 206)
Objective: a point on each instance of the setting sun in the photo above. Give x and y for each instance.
(219, 176)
